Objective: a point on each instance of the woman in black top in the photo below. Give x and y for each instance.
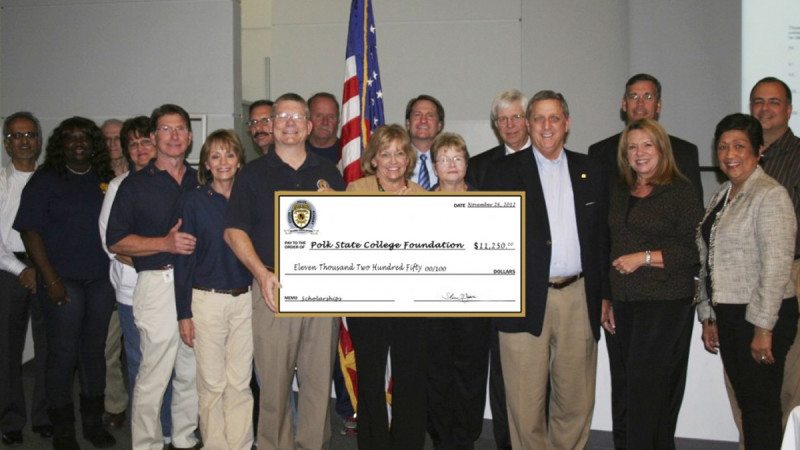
(653, 213)
(57, 220)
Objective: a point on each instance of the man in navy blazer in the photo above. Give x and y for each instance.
(641, 100)
(566, 269)
(508, 121)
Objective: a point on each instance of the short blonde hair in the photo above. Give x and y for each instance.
(382, 138)
(666, 169)
(446, 141)
(219, 138)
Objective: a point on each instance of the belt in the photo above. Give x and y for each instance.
(561, 283)
(234, 292)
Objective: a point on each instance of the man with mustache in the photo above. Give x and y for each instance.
(260, 125)
(324, 139)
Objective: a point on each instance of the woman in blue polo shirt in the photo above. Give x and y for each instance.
(57, 220)
(212, 291)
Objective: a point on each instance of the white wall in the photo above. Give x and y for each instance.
(119, 58)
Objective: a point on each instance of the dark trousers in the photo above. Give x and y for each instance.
(653, 340)
(757, 386)
(342, 406)
(76, 335)
(16, 306)
(497, 394)
(458, 358)
(373, 338)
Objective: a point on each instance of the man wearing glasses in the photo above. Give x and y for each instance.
(21, 137)
(642, 100)
(282, 344)
(508, 122)
(260, 125)
(141, 226)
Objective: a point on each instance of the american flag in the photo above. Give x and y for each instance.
(362, 100)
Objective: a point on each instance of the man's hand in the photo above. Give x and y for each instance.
(268, 282)
(186, 329)
(178, 242)
(27, 278)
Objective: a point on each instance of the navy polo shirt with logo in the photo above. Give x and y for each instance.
(252, 200)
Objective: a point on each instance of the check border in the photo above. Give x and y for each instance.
(278, 213)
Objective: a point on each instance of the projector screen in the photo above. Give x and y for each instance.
(771, 47)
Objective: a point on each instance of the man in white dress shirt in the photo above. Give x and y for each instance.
(23, 143)
(424, 121)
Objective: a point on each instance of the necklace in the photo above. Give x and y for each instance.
(380, 187)
(77, 172)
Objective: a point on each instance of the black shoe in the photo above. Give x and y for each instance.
(45, 431)
(100, 438)
(12, 438)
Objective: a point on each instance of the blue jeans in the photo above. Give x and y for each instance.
(76, 337)
(133, 353)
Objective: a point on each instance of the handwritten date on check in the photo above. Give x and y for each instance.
(430, 254)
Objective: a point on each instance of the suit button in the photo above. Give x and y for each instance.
(549, 243)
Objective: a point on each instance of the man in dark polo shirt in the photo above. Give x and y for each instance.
(142, 225)
(281, 344)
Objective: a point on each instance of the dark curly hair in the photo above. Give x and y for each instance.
(54, 153)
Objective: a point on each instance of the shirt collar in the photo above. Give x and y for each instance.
(541, 160)
(510, 150)
(779, 145)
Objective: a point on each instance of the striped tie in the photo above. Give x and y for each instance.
(424, 178)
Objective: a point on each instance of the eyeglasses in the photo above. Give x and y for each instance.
(646, 97)
(167, 130)
(504, 120)
(140, 143)
(284, 116)
(457, 160)
(389, 155)
(17, 136)
(256, 122)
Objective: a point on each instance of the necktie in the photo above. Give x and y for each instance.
(424, 178)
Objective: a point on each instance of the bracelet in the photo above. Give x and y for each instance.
(648, 258)
(52, 283)
(765, 332)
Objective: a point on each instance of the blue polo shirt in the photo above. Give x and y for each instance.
(63, 208)
(146, 205)
(213, 264)
(252, 202)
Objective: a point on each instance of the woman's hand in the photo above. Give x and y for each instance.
(710, 336)
(627, 264)
(607, 317)
(57, 293)
(761, 346)
(186, 328)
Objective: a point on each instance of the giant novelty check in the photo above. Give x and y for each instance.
(359, 254)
